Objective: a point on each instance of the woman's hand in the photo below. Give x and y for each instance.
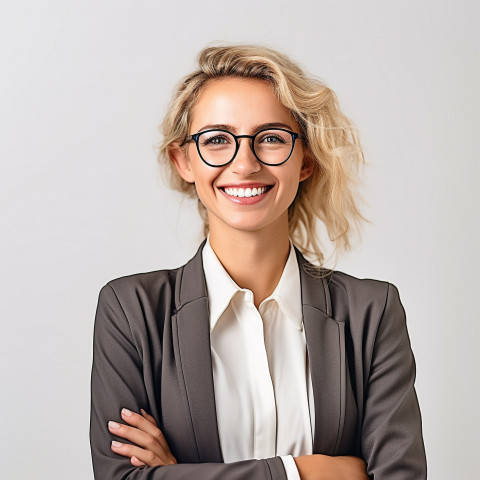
(323, 467)
(150, 447)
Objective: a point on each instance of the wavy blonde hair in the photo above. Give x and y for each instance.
(328, 194)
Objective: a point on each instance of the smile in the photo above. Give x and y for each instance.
(245, 192)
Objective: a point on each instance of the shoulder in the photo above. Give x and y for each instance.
(362, 300)
(349, 288)
(139, 293)
(155, 291)
(148, 282)
(133, 308)
(373, 314)
(344, 297)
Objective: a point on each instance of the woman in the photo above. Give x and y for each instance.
(251, 362)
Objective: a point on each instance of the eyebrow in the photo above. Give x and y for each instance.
(256, 128)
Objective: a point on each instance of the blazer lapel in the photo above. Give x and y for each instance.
(326, 351)
(195, 362)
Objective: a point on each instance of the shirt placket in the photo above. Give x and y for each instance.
(262, 392)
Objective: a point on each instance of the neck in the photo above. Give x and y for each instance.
(254, 260)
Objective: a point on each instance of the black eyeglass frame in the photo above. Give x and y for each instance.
(194, 137)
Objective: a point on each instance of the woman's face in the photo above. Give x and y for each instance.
(243, 106)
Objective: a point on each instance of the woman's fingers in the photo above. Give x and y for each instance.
(150, 447)
(136, 462)
(140, 455)
(145, 425)
(148, 417)
(145, 441)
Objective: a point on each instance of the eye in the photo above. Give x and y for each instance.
(215, 139)
(273, 138)
(218, 140)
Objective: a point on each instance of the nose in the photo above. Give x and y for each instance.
(245, 162)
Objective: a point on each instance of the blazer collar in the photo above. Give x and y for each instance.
(325, 347)
(191, 284)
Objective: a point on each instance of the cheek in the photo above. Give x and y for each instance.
(204, 182)
(293, 192)
(290, 181)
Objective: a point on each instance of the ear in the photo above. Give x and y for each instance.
(178, 156)
(307, 166)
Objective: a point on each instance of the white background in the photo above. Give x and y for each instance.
(84, 85)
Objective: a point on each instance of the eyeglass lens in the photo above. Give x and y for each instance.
(271, 146)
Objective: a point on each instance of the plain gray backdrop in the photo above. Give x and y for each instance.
(84, 85)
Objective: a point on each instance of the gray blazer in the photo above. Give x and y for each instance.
(152, 351)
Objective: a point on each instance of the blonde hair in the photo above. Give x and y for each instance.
(332, 140)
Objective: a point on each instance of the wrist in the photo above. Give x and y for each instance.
(313, 467)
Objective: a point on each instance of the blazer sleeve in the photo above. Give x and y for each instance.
(116, 382)
(391, 436)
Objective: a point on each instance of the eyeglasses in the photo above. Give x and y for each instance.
(271, 146)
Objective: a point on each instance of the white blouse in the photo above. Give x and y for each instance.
(262, 382)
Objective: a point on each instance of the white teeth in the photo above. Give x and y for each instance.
(245, 192)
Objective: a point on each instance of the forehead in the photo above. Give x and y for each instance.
(240, 102)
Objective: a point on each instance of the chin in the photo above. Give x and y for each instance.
(251, 222)
(250, 225)
(238, 224)
(245, 226)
